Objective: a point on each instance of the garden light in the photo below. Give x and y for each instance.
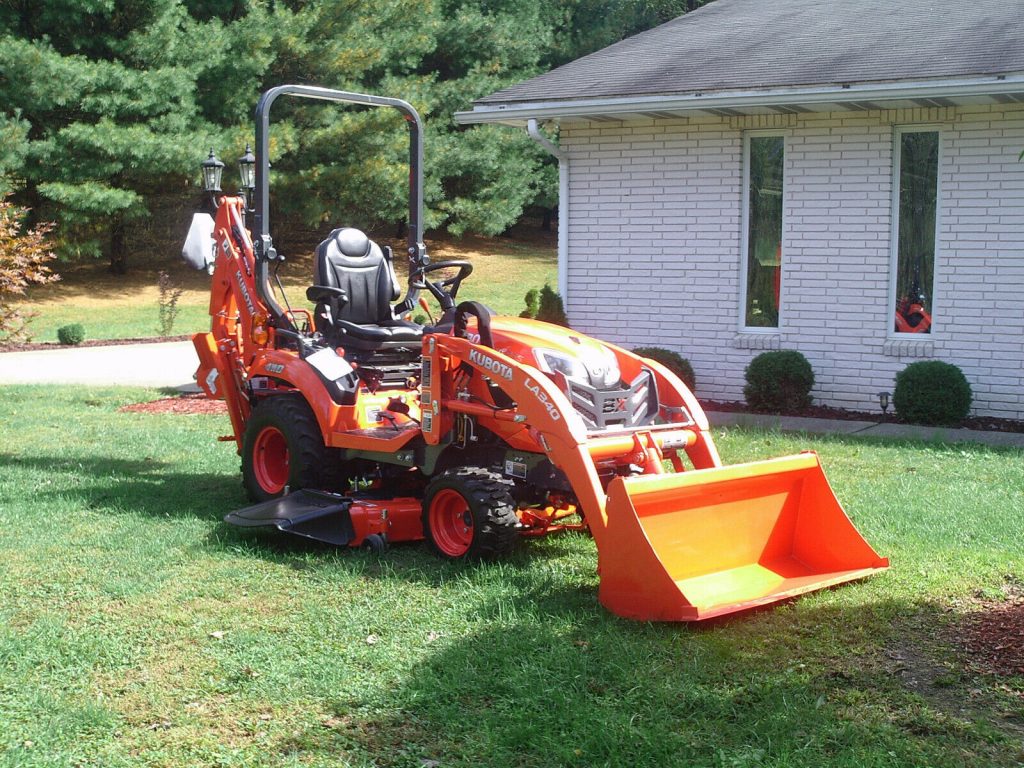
(247, 169)
(212, 170)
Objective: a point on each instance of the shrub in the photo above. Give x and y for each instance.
(550, 308)
(932, 392)
(545, 305)
(675, 362)
(24, 261)
(779, 381)
(70, 335)
(167, 302)
(532, 299)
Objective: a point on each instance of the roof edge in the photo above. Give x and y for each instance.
(513, 113)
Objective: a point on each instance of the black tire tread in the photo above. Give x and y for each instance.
(310, 458)
(495, 523)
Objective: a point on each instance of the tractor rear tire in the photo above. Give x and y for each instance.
(283, 448)
(469, 514)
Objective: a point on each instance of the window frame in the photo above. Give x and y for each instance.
(894, 233)
(742, 326)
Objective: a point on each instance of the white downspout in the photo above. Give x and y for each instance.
(563, 205)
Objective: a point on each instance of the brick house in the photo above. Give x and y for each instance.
(838, 178)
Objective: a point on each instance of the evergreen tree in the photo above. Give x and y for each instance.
(104, 104)
(106, 95)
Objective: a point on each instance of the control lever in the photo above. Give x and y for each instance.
(398, 406)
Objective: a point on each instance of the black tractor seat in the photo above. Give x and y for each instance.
(400, 332)
(360, 318)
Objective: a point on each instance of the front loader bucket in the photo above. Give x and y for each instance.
(704, 543)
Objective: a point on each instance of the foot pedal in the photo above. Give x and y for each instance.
(313, 514)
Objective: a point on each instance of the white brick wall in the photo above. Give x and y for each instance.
(655, 236)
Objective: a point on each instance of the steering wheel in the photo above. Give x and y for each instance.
(445, 290)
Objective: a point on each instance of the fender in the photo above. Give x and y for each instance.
(337, 422)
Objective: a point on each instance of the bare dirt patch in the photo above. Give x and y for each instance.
(964, 660)
(181, 404)
(992, 635)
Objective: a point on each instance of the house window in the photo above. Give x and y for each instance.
(762, 212)
(915, 209)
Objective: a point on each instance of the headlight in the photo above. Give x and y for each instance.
(595, 367)
(603, 367)
(550, 361)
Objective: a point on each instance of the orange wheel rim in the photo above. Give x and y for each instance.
(451, 523)
(270, 460)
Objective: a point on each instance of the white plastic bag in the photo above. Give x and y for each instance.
(199, 249)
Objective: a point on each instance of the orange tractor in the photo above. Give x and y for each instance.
(359, 427)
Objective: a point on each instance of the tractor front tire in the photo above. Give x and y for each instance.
(283, 448)
(468, 514)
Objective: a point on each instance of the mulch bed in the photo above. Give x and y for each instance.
(193, 402)
(985, 423)
(35, 346)
(198, 403)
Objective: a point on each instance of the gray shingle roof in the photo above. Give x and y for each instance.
(770, 44)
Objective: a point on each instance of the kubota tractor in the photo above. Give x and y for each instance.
(358, 427)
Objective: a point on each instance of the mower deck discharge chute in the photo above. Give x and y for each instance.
(358, 427)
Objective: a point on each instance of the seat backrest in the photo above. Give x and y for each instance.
(349, 260)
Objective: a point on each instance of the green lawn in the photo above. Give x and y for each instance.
(138, 629)
(120, 307)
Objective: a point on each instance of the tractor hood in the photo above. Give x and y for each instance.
(554, 349)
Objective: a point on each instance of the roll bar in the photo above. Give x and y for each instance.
(263, 245)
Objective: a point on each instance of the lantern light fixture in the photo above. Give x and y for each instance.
(247, 169)
(212, 170)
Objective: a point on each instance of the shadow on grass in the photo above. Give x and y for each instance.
(798, 686)
(136, 485)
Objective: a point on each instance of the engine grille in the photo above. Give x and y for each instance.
(634, 406)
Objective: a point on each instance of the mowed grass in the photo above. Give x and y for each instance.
(137, 629)
(127, 306)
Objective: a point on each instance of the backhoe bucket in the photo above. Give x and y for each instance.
(699, 544)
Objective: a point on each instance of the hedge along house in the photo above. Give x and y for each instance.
(837, 178)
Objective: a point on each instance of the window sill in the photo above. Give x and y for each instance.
(908, 348)
(758, 340)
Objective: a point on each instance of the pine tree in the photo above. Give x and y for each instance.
(106, 95)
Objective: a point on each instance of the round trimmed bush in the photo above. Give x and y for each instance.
(675, 362)
(779, 381)
(932, 392)
(70, 335)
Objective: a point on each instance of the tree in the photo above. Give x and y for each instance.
(24, 261)
(106, 96)
(581, 27)
(106, 104)
(350, 166)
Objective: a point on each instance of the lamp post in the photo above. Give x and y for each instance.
(247, 170)
(212, 170)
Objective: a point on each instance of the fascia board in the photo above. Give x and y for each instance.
(518, 113)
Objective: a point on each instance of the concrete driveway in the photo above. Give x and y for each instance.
(169, 364)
